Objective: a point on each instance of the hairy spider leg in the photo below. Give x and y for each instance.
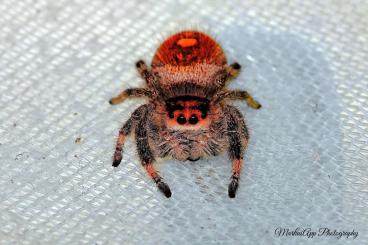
(134, 92)
(146, 155)
(233, 70)
(124, 132)
(239, 95)
(145, 73)
(237, 133)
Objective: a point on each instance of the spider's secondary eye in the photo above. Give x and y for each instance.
(181, 119)
(193, 119)
(204, 109)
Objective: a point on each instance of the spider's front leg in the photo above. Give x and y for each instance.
(237, 133)
(124, 132)
(146, 156)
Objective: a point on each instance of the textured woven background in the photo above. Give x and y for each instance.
(306, 165)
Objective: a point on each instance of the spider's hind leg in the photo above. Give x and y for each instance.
(143, 69)
(233, 70)
(134, 92)
(242, 95)
(145, 73)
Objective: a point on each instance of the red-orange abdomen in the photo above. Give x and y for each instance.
(187, 48)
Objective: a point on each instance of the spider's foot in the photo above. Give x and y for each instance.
(233, 186)
(164, 188)
(117, 160)
(234, 70)
(236, 66)
(140, 63)
(117, 100)
(253, 103)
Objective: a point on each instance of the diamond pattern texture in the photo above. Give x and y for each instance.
(306, 165)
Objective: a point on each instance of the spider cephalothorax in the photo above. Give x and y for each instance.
(187, 117)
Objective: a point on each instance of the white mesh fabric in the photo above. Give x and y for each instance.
(306, 165)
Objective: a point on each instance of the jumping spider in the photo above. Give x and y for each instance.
(187, 116)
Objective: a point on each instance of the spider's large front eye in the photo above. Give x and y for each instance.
(181, 119)
(193, 119)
